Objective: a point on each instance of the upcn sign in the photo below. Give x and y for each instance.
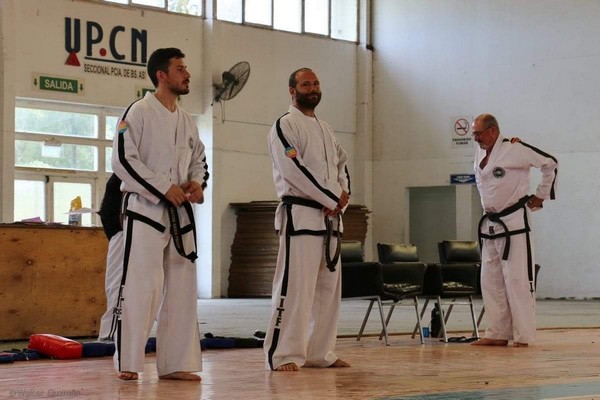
(116, 45)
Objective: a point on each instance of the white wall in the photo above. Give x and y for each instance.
(534, 64)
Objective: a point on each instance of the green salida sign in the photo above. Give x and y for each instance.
(57, 84)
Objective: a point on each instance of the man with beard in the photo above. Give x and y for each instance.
(310, 175)
(160, 159)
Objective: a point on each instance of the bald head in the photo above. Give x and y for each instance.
(487, 120)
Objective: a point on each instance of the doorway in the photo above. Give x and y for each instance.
(439, 213)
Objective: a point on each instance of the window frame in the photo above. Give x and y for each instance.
(163, 9)
(97, 178)
(302, 24)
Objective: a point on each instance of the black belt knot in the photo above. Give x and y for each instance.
(497, 218)
(330, 262)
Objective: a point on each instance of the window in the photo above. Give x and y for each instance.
(191, 7)
(344, 19)
(151, 3)
(337, 19)
(287, 15)
(230, 10)
(29, 199)
(62, 151)
(316, 16)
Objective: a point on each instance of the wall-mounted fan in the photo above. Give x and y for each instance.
(232, 81)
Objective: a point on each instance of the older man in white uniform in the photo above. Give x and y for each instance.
(502, 172)
(160, 159)
(309, 170)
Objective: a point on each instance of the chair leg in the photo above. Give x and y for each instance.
(422, 313)
(387, 319)
(480, 316)
(442, 322)
(364, 323)
(475, 326)
(419, 320)
(383, 322)
(448, 311)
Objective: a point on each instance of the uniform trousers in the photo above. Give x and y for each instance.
(306, 304)
(161, 284)
(112, 282)
(508, 300)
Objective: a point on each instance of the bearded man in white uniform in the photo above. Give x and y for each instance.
(502, 172)
(311, 179)
(160, 159)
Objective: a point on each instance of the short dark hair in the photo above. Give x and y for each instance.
(292, 81)
(159, 61)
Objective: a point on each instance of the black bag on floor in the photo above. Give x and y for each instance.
(435, 324)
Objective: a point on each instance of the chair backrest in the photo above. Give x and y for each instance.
(459, 251)
(390, 253)
(351, 251)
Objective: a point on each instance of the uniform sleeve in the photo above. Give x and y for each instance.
(293, 171)
(126, 162)
(199, 167)
(343, 174)
(548, 166)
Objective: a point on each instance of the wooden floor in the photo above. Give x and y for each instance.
(564, 364)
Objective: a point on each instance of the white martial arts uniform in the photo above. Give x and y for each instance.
(112, 283)
(507, 277)
(153, 150)
(110, 214)
(309, 167)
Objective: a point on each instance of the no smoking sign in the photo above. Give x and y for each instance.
(461, 127)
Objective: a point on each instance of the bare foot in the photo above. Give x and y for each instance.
(490, 342)
(128, 376)
(339, 363)
(181, 376)
(287, 367)
(519, 344)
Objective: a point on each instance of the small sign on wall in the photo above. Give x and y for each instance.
(462, 179)
(461, 132)
(58, 84)
(141, 91)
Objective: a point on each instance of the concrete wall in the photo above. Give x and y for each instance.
(534, 64)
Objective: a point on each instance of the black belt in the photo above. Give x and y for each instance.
(329, 261)
(497, 217)
(332, 262)
(301, 202)
(176, 231)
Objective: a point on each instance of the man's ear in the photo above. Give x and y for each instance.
(292, 91)
(160, 75)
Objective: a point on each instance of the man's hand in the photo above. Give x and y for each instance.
(332, 213)
(344, 198)
(193, 191)
(535, 203)
(343, 202)
(176, 195)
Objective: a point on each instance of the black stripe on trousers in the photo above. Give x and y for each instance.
(530, 266)
(284, 287)
(126, 255)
